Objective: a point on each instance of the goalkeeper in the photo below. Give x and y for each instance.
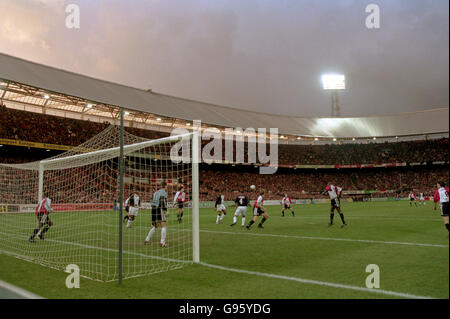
(159, 209)
(44, 223)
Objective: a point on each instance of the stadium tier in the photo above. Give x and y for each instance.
(39, 128)
(304, 183)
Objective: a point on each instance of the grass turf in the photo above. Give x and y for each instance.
(388, 234)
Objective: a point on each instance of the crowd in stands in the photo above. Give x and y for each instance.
(373, 153)
(33, 127)
(307, 184)
(41, 128)
(300, 183)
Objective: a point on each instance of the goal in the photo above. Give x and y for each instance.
(84, 187)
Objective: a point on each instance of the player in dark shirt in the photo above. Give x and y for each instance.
(242, 203)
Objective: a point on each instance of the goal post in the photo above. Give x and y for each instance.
(195, 197)
(84, 187)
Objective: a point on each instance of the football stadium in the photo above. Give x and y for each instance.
(112, 191)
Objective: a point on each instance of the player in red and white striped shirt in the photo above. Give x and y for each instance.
(259, 210)
(286, 204)
(43, 209)
(335, 193)
(412, 198)
(179, 199)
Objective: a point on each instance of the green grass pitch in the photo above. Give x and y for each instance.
(409, 244)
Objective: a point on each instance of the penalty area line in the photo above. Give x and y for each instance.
(17, 291)
(320, 283)
(327, 238)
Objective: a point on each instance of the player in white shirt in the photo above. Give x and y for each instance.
(220, 207)
(422, 199)
(286, 204)
(335, 193)
(441, 195)
(178, 200)
(412, 198)
(259, 210)
(43, 209)
(132, 203)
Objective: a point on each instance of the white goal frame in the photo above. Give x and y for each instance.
(124, 150)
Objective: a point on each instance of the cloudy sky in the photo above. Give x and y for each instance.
(262, 55)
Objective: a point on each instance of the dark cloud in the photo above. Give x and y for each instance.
(261, 55)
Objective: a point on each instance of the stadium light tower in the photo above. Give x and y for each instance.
(334, 83)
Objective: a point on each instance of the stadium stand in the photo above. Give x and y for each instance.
(300, 183)
(33, 127)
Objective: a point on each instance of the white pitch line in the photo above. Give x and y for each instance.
(308, 281)
(314, 238)
(320, 283)
(19, 291)
(368, 217)
(327, 238)
(102, 248)
(115, 251)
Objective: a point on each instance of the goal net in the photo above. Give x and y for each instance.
(83, 186)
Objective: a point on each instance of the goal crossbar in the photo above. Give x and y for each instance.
(105, 154)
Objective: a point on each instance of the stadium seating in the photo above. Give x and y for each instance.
(301, 183)
(33, 127)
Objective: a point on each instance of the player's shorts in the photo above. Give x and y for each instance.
(221, 207)
(180, 205)
(445, 208)
(158, 215)
(412, 199)
(335, 203)
(133, 211)
(241, 210)
(257, 211)
(42, 219)
(287, 206)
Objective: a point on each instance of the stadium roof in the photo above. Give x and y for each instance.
(90, 89)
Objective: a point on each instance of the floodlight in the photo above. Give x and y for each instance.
(333, 81)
